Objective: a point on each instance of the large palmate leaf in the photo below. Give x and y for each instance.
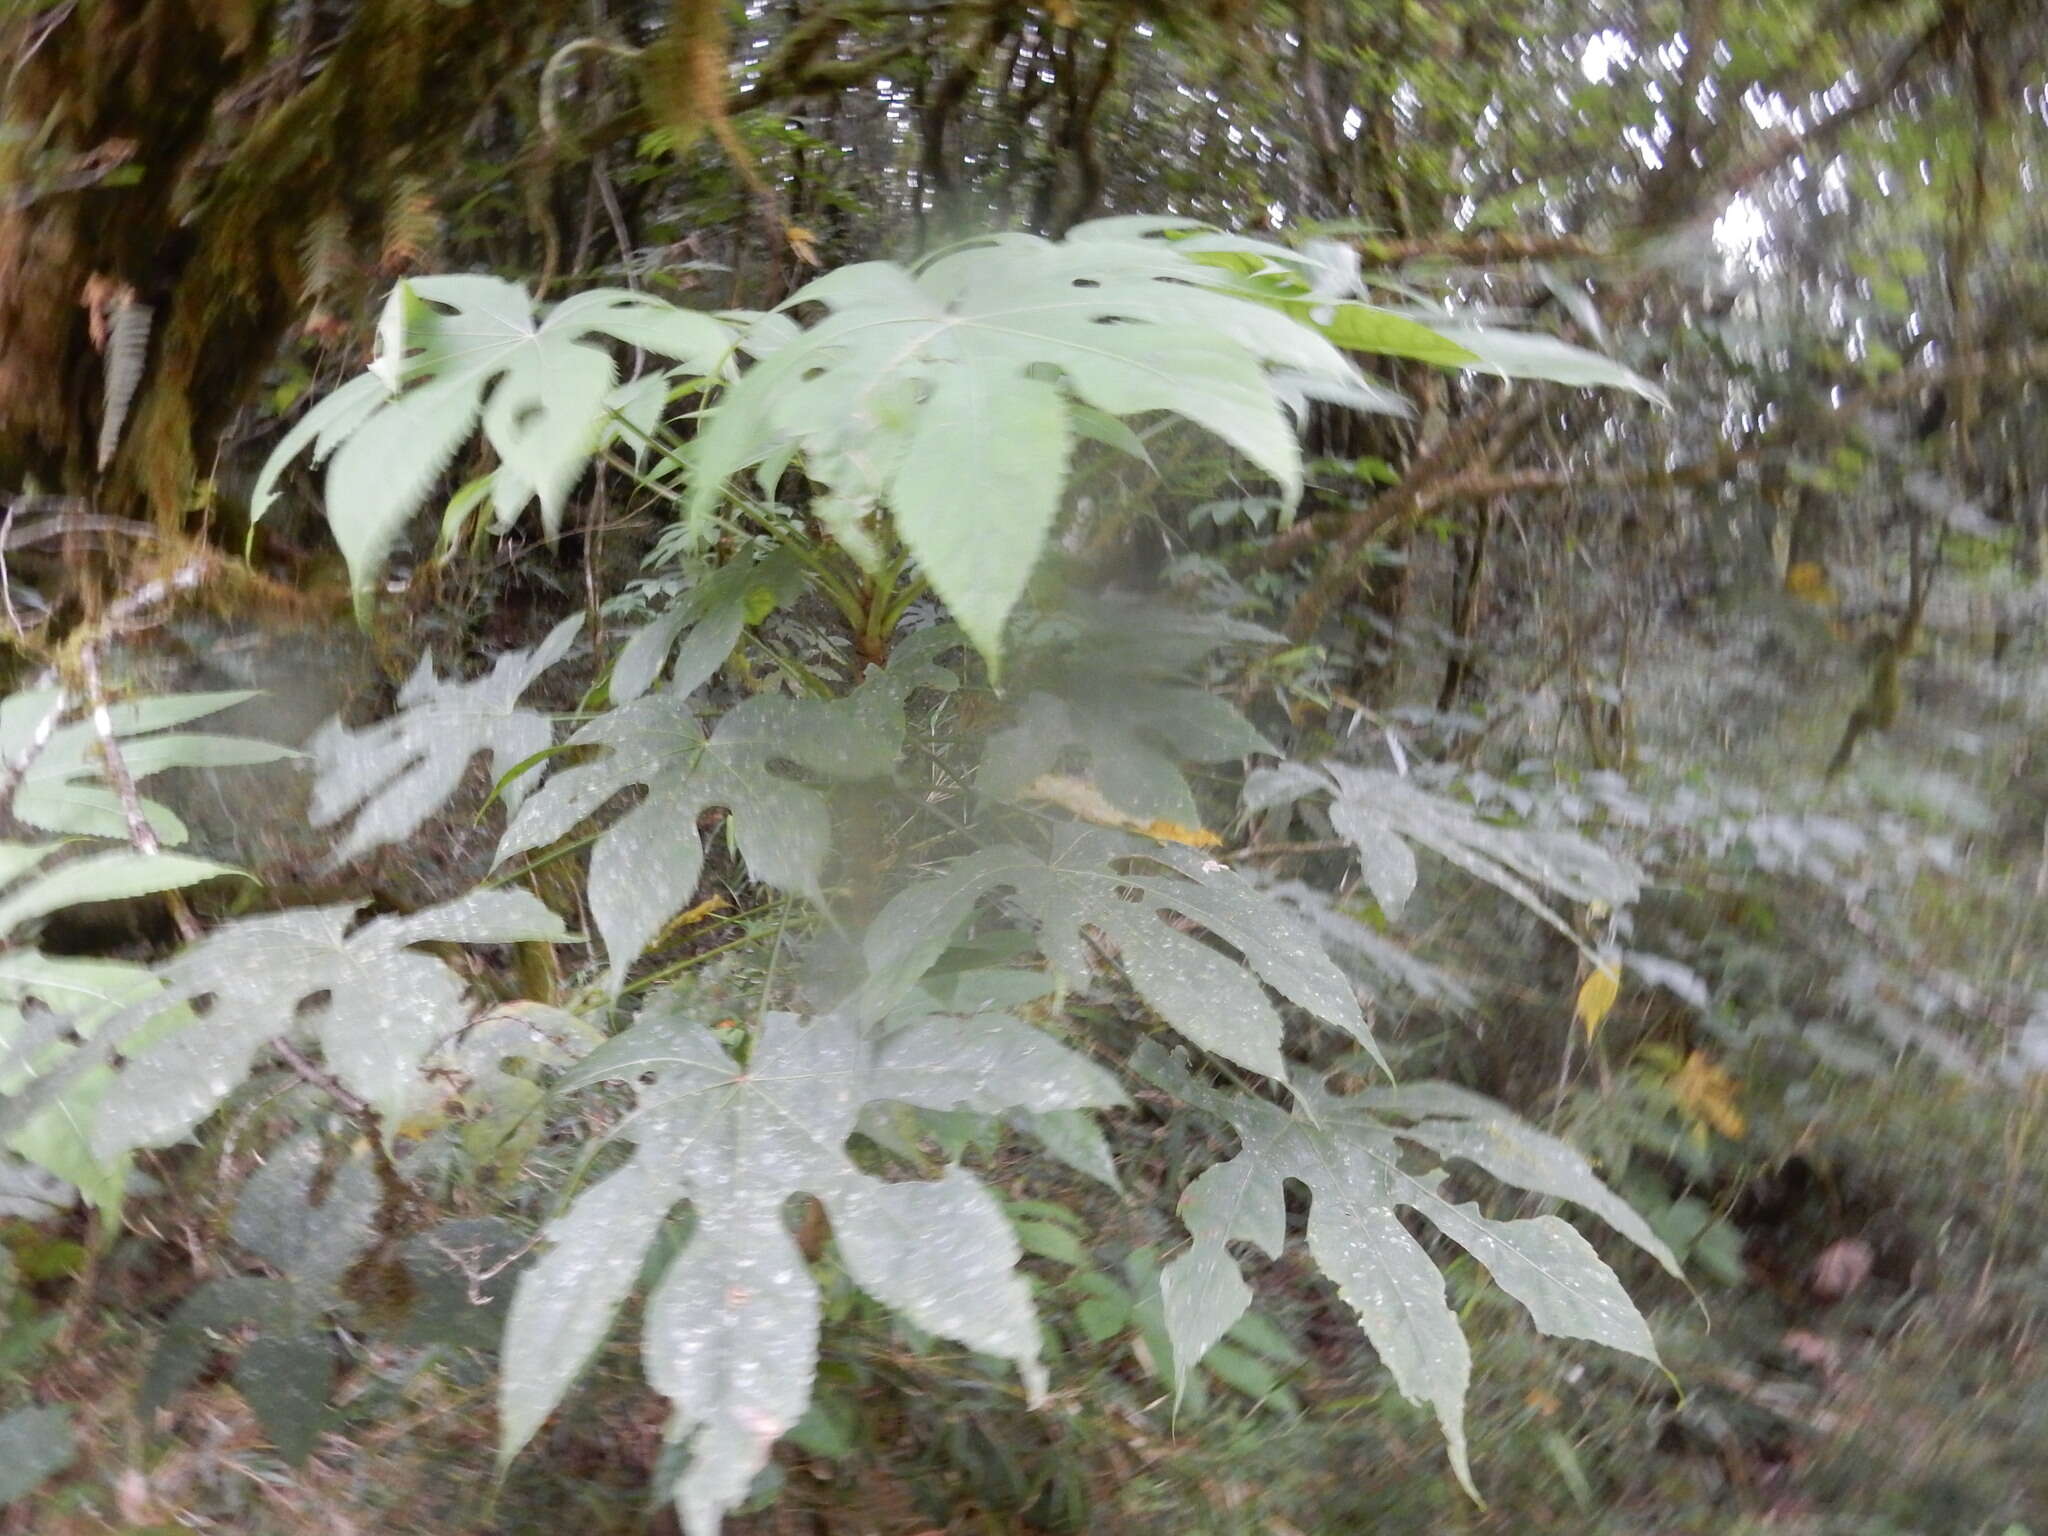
(395, 774)
(947, 393)
(731, 1330)
(1124, 890)
(1112, 703)
(64, 788)
(1381, 814)
(644, 868)
(453, 349)
(1348, 1153)
(375, 1006)
(1324, 285)
(308, 1217)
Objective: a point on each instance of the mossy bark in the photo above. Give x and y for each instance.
(241, 140)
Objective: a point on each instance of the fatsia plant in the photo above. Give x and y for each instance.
(1385, 816)
(645, 867)
(988, 361)
(1026, 851)
(981, 366)
(392, 775)
(453, 350)
(361, 993)
(1348, 1152)
(731, 1330)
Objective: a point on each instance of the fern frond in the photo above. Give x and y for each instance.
(127, 349)
(412, 227)
(324, 255)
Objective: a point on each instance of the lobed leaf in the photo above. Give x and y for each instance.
(731, 1327)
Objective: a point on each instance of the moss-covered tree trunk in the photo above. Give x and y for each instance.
(180, 150)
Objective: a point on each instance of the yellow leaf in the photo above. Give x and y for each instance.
(802, 244)
(1174, 832)
(1596, 997)
(1706, 1095)
(1078, 797)
(705, 908)
(1063, 13)
(1807, 580)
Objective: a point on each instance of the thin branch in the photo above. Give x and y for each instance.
(16, 771)
(1487, 250)
(140, 832)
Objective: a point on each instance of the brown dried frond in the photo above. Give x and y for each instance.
(325, 255)
(412, 227)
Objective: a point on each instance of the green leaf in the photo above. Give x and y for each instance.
(309, 1214)
(948, 392)
(714, 612)
(395, 774)
(1073, 1137)
(1377, 812)
(111, 876)
(375, 1007)
(64, 788)
(1365, 328)
(1532, 355)
(324, 427)
(35, 1445)
(1112, 706)
(730, 1334)
(50, 1006)
(1047, 1241)
(644, 868)
(453, 350)
(287, 1381)
(1351, 1161)
(978, 546)
(1213, 1000)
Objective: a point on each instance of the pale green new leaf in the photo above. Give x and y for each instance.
(1123, 890)
(455, 349)
(1351, 1161)
(644, 868)
(395, 774)
(978, 538)
(1533, 355)
(946, 393)
(375, 1007)
(730, 1334)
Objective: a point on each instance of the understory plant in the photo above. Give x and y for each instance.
(989, 838)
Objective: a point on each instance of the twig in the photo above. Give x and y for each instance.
(326, 1082)
(1289, 850)
(140, 832)
(187, 576)
(16, 771)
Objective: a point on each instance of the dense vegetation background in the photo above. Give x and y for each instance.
(1761, 615)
